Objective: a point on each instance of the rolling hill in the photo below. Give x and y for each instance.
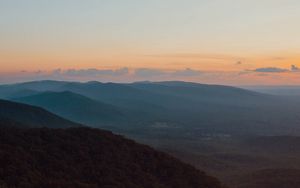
(184, 105)
(31, 116)
(200, 92)
(8, 91)
(289, 90)
(76, 107)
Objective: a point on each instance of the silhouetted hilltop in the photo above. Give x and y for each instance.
(84, 157)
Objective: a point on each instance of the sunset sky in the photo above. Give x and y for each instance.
(233, 42)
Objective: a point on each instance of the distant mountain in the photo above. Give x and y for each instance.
(197, 91)
(89, 158)
(43, 85)
(31, 116)
(277, 90)
(227, 109)
(22, 93)
(76, 107)
(28, 88)
(203, 94)
(141, 92)
(138, 103)
(176, 104)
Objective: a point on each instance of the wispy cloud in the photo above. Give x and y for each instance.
(270, 69)
(91, 72)
(293, 68)
(187, 72)
(159, 73)
(147, 72)
(195, 56)
(278, 58)
(263, 75)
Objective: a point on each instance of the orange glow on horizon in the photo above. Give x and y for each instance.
(206, 62)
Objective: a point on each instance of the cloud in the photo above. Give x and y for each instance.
(121, 72)
(278, 58)
(294, 68)
(204, 56)
(262, 74)
(270, 70)
(265, 75)
(147, 72)
(56, 72)
(187, 72)
(38, 72)
(91, 72)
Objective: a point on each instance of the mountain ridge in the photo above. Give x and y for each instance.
(32, 116)
(75, 107)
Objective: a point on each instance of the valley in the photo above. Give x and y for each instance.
(239, 136)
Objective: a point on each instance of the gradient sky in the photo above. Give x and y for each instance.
(236, 42)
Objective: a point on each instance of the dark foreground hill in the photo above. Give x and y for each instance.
(84, 157)
(32, 116)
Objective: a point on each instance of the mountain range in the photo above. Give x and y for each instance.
(243, 137)
(173, 104)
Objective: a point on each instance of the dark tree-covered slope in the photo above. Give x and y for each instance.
(84, 157)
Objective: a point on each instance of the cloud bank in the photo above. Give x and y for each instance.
(293, 68)
(263, 75)
(270, 69)
(90, 72)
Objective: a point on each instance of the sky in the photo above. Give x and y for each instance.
(231, 42)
